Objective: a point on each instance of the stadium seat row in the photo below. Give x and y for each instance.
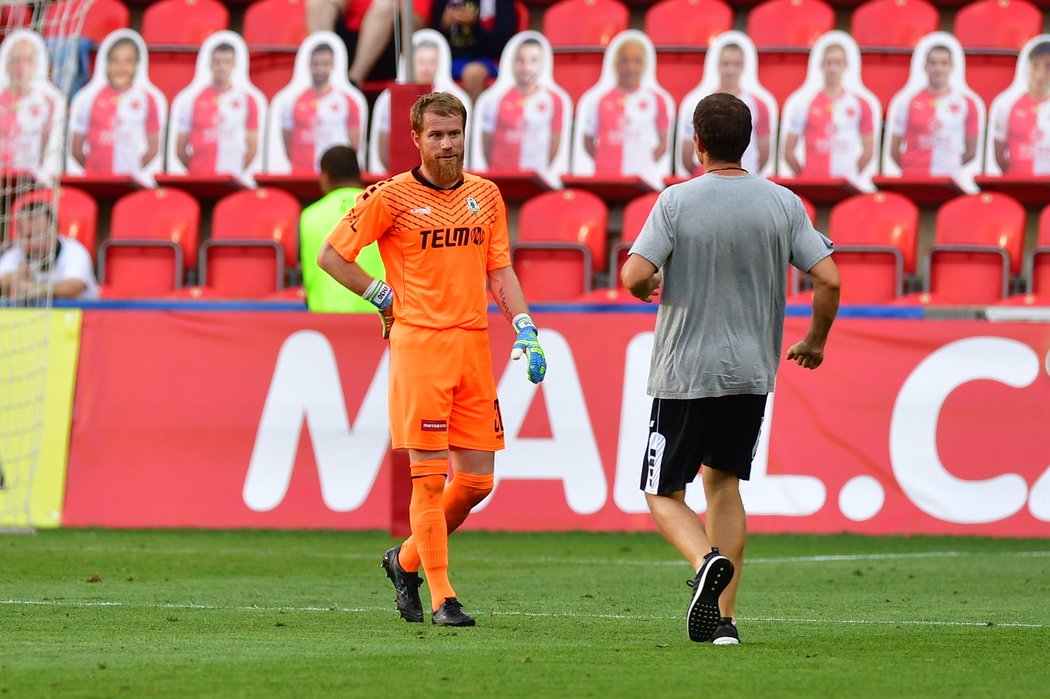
(680, 30)
(154, 241)
(977, 256)
(579, 30)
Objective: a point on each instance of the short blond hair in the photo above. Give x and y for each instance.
(441, 103)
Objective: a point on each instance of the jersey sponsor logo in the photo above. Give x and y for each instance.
(452, 237)
(433, 425)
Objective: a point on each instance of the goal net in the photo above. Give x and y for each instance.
(41, 56)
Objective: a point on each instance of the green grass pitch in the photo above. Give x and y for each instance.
(87, 613)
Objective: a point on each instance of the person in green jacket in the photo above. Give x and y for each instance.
(341, 182)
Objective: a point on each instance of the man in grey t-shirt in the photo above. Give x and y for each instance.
(720, 245)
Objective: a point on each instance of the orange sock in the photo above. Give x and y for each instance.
(427, 517)
(461, 495)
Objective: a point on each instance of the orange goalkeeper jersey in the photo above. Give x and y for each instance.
(437, 245)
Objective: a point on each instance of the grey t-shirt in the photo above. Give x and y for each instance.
(724, 244)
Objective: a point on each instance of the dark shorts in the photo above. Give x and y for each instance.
(721, 433)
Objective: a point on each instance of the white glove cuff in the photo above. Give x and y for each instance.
(522, 320)
(379, 294)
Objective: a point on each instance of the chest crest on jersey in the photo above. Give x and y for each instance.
(473, 205)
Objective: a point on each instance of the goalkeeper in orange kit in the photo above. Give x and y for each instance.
(443, 238)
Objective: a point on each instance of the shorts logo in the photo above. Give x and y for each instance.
(433, 425)
(654, 458)
(473, 205)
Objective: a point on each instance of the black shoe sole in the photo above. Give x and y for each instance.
(703, 616)
(388, 565)
(457, 624)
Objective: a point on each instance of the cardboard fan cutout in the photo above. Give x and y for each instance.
(318, 109)
(432, 65)
(624, 124)
(522, 122)
(1019, 130)
(117, 121)
(32, 110)
(935, 124)
(831, 125)
(217, 122)
(731, 65)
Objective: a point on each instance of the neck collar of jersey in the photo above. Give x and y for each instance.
(427, 183)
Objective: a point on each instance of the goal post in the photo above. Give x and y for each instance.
(40, 59)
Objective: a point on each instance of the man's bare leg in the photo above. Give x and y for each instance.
(727, 527)
(321, 15)
(680, 526)
(473, 77)
(377, 29)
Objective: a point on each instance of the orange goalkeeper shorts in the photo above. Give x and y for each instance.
(442, 393)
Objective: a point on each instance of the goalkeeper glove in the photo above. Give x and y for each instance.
(380, 295)
(528, 344)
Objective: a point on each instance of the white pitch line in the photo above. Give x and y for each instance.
(761, 560)
(498, 613)
(556, 560)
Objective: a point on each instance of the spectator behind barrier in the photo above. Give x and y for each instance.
(33, 268)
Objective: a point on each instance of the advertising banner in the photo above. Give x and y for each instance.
(214, 419)
(38, 362)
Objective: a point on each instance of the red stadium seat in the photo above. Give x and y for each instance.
(886, 31)
(991, 33)
(977, 245)
(810, 209)
(152, 242)
(524, 20)
(1038, 273)
(173, 31)
(579, 31)
(876, 241)
(103, 17)
(1037, 268)
(997, 24)
(783, 32)
(561, 240)
(634, 216)
(795, 276)
(13, 17)
(254, 236)
(789, 23)
(893, 23)
(77, 213)
(681, 31)
(273, 30)
(183, 22)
